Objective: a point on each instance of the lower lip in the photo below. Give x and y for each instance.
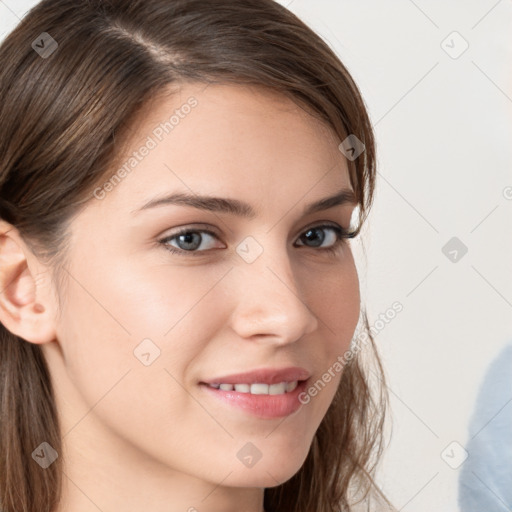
(261, 406)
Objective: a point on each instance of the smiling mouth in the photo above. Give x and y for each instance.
(258, 399)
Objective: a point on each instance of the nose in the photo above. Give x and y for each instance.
(270, 304)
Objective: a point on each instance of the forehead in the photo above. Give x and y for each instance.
(221, 138)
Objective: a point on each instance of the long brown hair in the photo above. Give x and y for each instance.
(74, 75)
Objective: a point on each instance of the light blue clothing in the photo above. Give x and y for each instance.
(485, 481)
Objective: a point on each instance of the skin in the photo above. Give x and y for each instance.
(140, 437)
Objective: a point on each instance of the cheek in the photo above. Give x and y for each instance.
(336, 302)
(334, 296)
(154, 321)
(167, 319)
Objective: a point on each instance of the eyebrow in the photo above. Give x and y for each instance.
(240, 208)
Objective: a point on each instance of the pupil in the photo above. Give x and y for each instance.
(318, 240)
(187, 236)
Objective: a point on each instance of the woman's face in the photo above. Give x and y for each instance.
(141, 329)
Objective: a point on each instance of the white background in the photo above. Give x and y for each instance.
(444, 151)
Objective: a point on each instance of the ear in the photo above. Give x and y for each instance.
(27, 305)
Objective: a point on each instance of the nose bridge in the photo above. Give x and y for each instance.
(270, 301)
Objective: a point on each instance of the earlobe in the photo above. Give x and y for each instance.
(26, 304)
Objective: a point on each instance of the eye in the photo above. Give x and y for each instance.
(191, 240)
(334, 241)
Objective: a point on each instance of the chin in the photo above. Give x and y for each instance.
(272, 473)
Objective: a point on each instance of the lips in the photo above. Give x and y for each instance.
(261, 406)
(264, 393)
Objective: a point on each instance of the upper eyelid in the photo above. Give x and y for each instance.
(213, 231)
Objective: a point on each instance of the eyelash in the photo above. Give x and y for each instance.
(341, 235)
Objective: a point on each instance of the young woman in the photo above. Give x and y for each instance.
(179, 303)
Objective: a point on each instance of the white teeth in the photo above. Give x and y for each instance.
(277, 389)
(259, 388)
(290, 386)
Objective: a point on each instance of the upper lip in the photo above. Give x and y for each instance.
(263, 375)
